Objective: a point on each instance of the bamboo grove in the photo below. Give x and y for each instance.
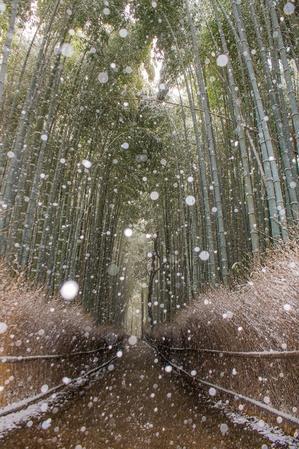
(173, 119)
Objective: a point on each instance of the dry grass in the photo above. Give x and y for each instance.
(52, 326)
(37, 325)
(261, 315)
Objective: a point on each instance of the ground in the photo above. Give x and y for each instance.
(137, 405)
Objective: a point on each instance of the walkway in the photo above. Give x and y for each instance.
(136, 406)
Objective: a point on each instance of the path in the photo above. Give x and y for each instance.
(136, 406)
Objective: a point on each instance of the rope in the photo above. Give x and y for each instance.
(255, 354)
(21, 358)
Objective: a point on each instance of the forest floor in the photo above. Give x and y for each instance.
(134, 406)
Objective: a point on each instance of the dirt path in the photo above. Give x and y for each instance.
(136, 406)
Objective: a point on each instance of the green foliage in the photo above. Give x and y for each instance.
(84, 146)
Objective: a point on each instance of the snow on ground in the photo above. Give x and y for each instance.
(274, 434)
(25, 416)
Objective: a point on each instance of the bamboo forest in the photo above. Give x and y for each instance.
(149, 216)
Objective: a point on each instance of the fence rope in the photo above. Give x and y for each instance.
(21, 358)
(254, 354)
